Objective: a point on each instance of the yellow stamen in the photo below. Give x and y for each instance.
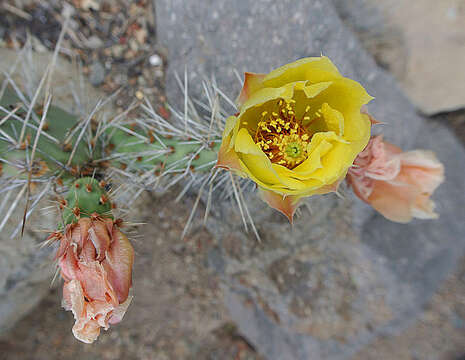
(282, 137)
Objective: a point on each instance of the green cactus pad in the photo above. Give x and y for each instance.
(52, 148)
(89, 196)
(56, 153)
(179, 149)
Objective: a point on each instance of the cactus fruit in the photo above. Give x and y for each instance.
(85, 197)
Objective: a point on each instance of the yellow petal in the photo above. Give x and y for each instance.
(314, 69)
(320, 145)
(347, 97)
(230, 131)
(333, 118)
(229, 126)
(264, 95)
(257, 165)
(245, 144)
(317, 171)
(313, 90)
(335, 162)
(254, 162)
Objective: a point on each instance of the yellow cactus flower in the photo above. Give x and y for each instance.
(298, 130)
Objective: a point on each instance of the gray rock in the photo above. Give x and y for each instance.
(341, 276)
(26, 277)
(426, 57)
(93, 42)
(97, 73)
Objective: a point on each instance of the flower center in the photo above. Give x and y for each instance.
(294, 149)
(282, 137)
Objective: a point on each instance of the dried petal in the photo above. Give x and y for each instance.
(118, 264)
(397, 184)
(96, 260)
(286, 204)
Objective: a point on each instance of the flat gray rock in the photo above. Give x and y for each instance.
(425, 56)
(342, 275)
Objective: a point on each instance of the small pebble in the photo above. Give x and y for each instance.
(94, 42)
(139, 95)
(90, 4)
(97, 73)
(155, 60)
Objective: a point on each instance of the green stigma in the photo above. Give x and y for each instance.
(294, 149)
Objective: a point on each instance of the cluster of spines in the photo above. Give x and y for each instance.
(157, 153)
(62, 153)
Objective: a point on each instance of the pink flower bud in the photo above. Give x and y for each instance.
(397, 184)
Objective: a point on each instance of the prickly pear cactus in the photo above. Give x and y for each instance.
(85, 163)
(87, 159)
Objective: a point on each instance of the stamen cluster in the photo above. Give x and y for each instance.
(281, 136)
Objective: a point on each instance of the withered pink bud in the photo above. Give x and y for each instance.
(95, 260)
(397, 184)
